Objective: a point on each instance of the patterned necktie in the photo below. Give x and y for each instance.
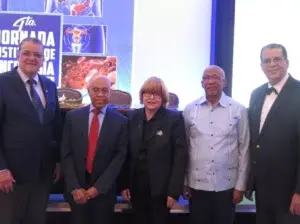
(36, 100)
(93, 139)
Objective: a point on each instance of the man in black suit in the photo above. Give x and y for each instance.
(30, 132)
(275, 141)
(94, 148)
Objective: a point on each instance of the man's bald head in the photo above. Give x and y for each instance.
(213, 81)
(215, 69)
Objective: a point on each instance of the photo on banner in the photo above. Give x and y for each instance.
(3, 5)
(18, 26)
(85, 39)
(90, 8)
(77, 70)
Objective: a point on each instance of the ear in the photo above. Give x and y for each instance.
(202, 83)
(224, 83)
(18, 54)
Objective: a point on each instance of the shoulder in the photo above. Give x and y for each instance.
(131, 114)
(190, 106)
(236, 104)
(7, 75)
(117, 116)
(173, 114)
(259, 90)
(77, 112)
(47, 81)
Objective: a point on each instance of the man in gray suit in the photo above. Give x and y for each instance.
(93, 150)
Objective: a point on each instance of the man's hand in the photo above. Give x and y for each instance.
(91, 193)
(6, 181)
(187, 193)
(295, 204)
(79, 196)
(126, 194)
(237, 196)
(56, 173)
(170, 202)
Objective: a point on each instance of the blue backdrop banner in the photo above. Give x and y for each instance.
(18, 26)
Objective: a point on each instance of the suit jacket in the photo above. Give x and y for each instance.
(167, 157)
(275, 151)
(28, 147)
(110, 154)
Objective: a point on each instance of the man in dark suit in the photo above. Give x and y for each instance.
(30, 132)
(275, 141)
(94, 148)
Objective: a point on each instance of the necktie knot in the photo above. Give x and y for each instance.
(270, 90)
(96, 111)
(31, 82)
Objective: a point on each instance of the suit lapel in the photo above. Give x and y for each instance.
(45, 90)
(84, 125)
(159, 123)
(257, 109)
(108, 121)
(19, 87)
(282, 96)
(137, 130)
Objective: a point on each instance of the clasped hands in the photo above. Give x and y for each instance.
(81, 196)
(127, 196)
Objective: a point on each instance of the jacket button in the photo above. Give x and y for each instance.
(254, 162)
(257, 146)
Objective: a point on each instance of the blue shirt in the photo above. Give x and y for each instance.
(218, 145)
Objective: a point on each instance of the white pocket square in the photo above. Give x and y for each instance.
(160, 133)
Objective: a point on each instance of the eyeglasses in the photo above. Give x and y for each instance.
(275, 60)
(34, 54)
(154, 95)
(97, 91)
(212, 78)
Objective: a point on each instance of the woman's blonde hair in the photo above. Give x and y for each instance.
(155, 85)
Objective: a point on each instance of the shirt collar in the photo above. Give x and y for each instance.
(280, 84)
(224, 100)
(102, 110)
(25, 77)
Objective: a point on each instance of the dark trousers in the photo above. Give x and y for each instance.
(267, 213)
(27, 203)
(208, 207)
(95, 211)
(149, 209)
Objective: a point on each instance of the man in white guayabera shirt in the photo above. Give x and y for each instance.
(218, 132)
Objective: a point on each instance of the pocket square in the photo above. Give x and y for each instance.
(160, 133)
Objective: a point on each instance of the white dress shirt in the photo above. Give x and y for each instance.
(270, 99)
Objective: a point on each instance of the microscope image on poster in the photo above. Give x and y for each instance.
(3, 5)
(75, 7)
(84, 39)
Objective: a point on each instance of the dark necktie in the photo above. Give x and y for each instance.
(270, 90)
(93, 139)
(36, 100)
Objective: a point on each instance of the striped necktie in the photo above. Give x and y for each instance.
(36, 100)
